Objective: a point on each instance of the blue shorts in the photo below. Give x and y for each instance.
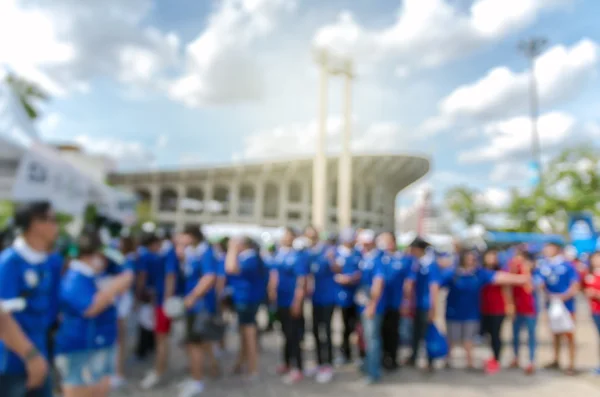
(246, 313)
(86, 368)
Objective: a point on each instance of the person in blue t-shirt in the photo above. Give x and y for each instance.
(223, 287)
(347, 278)
(248, 277)
(288, 283)
(124, 308)
(561, 281)
(322, 257)
(371, 302)
(397, 265)
(153, 270)
(86, 338)
(28, 282)
(200, 301)
(423, 286)
(463, 313)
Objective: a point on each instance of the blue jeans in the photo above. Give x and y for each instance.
(372, 334)
(530, 322)
(14, 386)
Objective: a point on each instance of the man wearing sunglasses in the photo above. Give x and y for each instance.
(28, 285)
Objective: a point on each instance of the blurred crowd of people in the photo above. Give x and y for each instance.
(71, 308)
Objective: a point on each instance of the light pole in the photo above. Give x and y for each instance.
(319, 191)
(532, 48)
(344, 188)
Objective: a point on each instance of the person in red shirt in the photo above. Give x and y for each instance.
(526, 310)
(591, 284)
(496, 303)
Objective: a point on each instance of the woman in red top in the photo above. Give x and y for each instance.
(591, 284)
(494, 307)
(524, 299)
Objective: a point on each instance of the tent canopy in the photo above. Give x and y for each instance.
(515, 238)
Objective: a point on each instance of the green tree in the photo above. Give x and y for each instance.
(465, 204)
(571, 184)
(28, 93)
(573, 180)
(6, 211)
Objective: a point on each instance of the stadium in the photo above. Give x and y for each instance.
(273, 193)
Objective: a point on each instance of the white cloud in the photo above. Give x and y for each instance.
(561, 73)
(301, 138)
(428, 33)
(127, 154)
(510, 172)
(49, 125)
(221, 64)
(511, 139)
(64, 44)
(495, 197)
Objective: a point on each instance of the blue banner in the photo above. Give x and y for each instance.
(582, 232)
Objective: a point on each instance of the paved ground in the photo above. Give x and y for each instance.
(414, 383)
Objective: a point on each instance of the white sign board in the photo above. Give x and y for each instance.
(41, 177)
(117, 205)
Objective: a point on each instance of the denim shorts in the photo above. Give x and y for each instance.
(246, 313)
(86, 368)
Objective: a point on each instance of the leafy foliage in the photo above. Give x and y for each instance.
(28, 93)
(463, 202)
(570, 183)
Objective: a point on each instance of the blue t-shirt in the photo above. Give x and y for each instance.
(37, 283)
(172, 266)
(425, 273)
(397, 267)
(154, 266)
(557, 276)
(371, 268)
(464, 289)
(347, 259)
(56, 262)
(201, 262)
(325, 288)
(77, 332)
(250, 285)
(289, 264)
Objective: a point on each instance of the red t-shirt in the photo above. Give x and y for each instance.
(593, 281)
(523, 296)
(492, 300)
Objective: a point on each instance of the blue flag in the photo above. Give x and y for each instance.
(582, 232)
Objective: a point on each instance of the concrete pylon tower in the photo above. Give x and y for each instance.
(344, 211)
(319, 191)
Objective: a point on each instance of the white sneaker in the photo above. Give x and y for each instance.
(325, 375)
(192, 389)
(117, 382)
(150, 381)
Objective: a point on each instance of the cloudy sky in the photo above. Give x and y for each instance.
(184, 82)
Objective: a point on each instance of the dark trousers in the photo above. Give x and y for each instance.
(293, 330)
(419, 329)
(321, 322)
(390, 337)
(351, 320)
(145, 343)
(492, 325)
